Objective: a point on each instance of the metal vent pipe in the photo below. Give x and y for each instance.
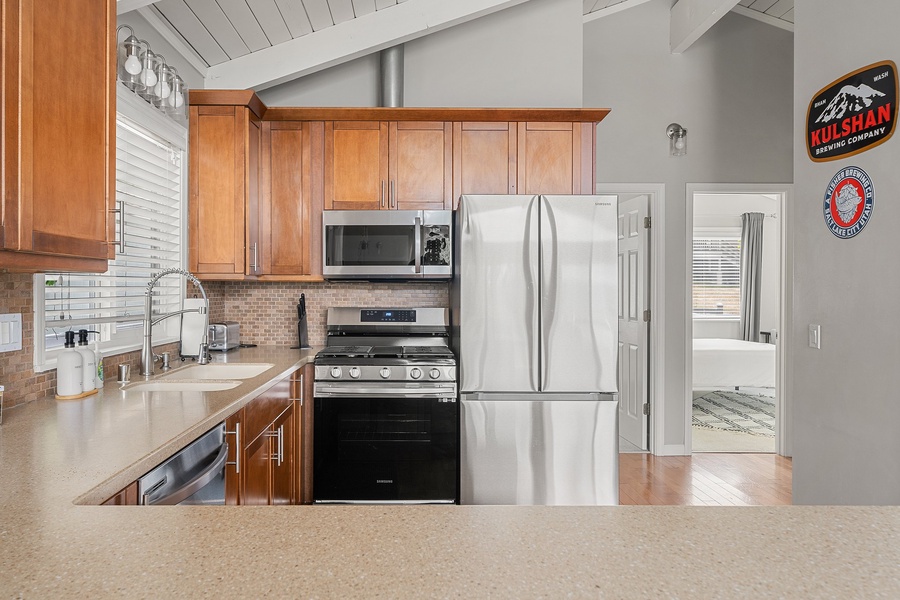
(392, 76)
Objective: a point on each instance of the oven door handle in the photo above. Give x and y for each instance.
(327, 391)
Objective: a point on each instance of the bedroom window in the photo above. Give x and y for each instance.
(716, 277)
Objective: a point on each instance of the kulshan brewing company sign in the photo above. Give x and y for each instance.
(853, 114)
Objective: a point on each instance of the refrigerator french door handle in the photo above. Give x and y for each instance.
(532, 266)
(418, 250)
(549, 267)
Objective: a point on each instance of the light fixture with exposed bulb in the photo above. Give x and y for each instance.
(677, 139)
(146, 73)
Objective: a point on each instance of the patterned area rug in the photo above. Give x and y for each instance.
(735, 411)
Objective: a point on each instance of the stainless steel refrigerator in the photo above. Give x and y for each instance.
(535, 323)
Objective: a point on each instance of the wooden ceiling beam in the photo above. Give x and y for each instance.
(355, 38)
(690, 19)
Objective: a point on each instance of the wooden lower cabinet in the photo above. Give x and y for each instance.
(126, 497)
(269, 464)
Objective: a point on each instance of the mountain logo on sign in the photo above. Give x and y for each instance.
(854, 98)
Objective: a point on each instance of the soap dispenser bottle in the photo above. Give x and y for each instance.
(69, 367)
(88, 364)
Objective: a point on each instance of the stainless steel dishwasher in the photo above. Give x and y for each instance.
(195, 475)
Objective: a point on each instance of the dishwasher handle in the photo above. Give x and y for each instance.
(198, 482)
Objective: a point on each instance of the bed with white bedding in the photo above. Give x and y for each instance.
(733, 363)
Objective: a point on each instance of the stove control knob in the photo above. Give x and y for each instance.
(354, 372)
(434, 373)
(335, 372)
(415, 372)
(385, 373)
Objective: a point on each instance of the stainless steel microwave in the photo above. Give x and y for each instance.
(387, 244)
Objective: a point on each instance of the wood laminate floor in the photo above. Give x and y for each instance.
(705, 480)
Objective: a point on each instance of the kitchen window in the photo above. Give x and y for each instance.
(151, 184)
(716, 277)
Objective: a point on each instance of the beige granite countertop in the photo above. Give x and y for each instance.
(55, 455)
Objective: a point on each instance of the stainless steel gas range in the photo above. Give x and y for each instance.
(386, 424)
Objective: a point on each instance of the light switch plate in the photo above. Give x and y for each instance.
(10, 332)
(815, 337)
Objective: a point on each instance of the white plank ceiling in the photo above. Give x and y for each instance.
(221, 37)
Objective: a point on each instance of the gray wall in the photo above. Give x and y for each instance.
(846, 408)
(529, 55)
(732, 90)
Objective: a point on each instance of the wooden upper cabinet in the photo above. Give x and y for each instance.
(356, 165)
(421, 165)
(377, 165)
(484, 158)
(223, 183)
(58, 132)
(290, 198)
(551, 158)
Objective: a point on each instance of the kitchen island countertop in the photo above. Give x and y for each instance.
(59, 457)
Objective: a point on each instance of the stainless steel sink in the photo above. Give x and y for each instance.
(219, 371)
(181, 386)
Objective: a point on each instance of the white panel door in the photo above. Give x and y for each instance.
(633, 257)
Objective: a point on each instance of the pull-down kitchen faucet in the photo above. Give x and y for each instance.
(147, 356)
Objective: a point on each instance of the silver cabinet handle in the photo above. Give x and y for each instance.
(382, 193)
(255, 263)
(237, 447)
(145, 497)
(121, 212)
(393, 195)
(278, 434)
(418, 244)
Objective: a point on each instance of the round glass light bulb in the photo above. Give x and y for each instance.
(679, 143)
(133, 65)
(162, 89)
(148, 78)
(175, 100)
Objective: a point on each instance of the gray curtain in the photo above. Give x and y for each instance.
(751, 273)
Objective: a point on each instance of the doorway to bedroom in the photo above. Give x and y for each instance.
(736, 311)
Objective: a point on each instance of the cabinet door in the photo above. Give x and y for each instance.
(257, 470)
(218, 162)
(302, 392)
(421, 163)
(356, 165)
(58, 134)
(549, 158)
(291, 200)
(484, 159)
(284, 464)
(253, 243)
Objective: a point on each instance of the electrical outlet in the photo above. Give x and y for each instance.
(10, 332)
(815, 337)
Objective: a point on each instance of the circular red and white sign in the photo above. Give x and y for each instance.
(849, 200)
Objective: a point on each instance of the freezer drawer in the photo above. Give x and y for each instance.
(547, 451)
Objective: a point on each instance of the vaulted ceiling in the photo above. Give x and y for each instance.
(261, 43)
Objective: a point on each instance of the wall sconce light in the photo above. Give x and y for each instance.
(677, 139)
(146, 74)
(129, 53)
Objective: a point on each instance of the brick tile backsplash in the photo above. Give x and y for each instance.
(267, 312)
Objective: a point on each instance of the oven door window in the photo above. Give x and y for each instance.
(385, 449)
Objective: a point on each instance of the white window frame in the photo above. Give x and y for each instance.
(135, 109)
(712, 233)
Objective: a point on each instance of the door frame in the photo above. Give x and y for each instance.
(655, 352)
(782, 353)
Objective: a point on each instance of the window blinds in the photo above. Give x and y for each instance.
(148, 234)
(716, 277)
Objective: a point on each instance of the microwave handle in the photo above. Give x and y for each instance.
(418, 250)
